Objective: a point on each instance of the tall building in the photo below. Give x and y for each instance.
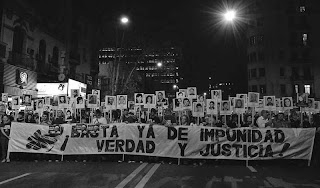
(159, 67)
(283, 47)
(33, 44)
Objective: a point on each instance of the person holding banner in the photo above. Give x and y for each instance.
(59, 119)
(263, 121)
(5, 127)
(99, 120)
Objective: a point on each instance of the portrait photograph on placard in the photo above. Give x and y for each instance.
(211, 106)
(269, 101)
(16, 102)
(149, 100)
(40, 103)
(9, 105)
(302, 99)
(92, 101)
(184, 91)
(225, 108)
(80, 103)
(216, 95)
(160, 96)
(198, 109)
(62, 101)
(201, 98)
(111, 102)
(187, 104)
(245, 97)
(239, 105)
(96, 92)
(177, 104)
(253, 99)
(26, 100)
(192, 92)
(69, 114)
(121, 101)
(75, 93)
(4, 97)
(138, 98)
(287, 103)
(180, 94)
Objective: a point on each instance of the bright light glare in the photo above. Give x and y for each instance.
(159, 64)
(175, 86)
(124, 20)
(230, 15)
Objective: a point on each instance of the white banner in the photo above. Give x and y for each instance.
(157, 140)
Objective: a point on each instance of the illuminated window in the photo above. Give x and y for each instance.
(304, 39)
(307, 89)
(296, 88)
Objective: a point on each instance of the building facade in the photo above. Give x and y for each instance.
(44, 49)
(159, 67)
(283, 47)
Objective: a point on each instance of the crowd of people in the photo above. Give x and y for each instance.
(264, 119)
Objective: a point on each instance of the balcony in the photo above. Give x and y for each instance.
(21, 60)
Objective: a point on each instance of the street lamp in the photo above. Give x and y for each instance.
(175, 86)
(159, 64)
(124, 20)
(229, 15)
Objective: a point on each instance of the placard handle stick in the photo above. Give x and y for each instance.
(211, 121)
(225, 119)
(301, 117)
(198, 120)
(80, 115)
(239, 119)
(180, 117)
(121, 119)
(252, 115)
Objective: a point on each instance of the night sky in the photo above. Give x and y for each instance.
(207, 50)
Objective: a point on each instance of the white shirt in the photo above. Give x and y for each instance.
(100, 120)
(262, 122)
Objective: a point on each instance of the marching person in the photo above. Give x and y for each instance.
(5, 127)
(263, 121)
(99, 120)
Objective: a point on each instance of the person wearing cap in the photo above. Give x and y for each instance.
(99, 120)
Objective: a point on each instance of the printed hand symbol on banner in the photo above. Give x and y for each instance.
(38, 141)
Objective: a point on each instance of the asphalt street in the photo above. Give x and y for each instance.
(153, 175)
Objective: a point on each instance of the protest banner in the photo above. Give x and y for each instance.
(154, 140)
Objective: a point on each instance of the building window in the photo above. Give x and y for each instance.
(307, 89)
(304, 39)
(263, 89)
(302, 9)
(254, 88)
(252, 41)
(296, 88)
(260, 56)
(19, 37)
(283, 89)
(281, 71)
(262, 72)
(281, 55)
(253, 57)
(253, 73)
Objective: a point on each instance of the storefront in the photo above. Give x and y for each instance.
(51, 89)
(18, 81)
